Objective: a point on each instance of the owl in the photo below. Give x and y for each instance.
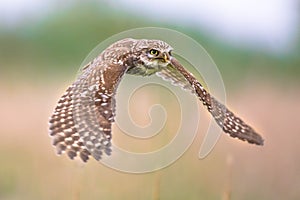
(82, 120)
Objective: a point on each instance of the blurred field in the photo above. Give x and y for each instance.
(30, 169)
(38, 60)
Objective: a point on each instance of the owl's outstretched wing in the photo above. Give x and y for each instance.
(169, 73)
(81, 122)
(230, 123)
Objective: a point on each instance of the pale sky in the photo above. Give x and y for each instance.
(267, 24)
(272, 24)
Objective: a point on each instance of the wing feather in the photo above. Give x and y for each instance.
(169, 73)
(226, 119)
(82, 120)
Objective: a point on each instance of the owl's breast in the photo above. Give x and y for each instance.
(144, 68)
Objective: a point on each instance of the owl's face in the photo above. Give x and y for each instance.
(157, 54)
(156, 58)
(153, 55)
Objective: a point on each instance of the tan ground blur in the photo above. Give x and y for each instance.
(29, 168)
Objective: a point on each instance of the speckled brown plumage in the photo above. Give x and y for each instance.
(82, 120)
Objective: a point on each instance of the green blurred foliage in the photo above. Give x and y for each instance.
(59, 42)
(64, 38)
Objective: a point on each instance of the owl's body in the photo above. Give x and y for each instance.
(81, 123)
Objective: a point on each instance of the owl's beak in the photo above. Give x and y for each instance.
(166, 57)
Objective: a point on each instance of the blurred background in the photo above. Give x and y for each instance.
(255, 45)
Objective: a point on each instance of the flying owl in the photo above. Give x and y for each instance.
(82, 120)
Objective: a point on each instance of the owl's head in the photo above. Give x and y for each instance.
(151, 57)
(155, 53)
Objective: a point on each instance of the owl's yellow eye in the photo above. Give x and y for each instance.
(154, 52)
